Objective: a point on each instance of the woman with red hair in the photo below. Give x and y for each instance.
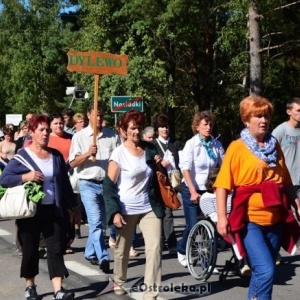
(50, 219)
(132, 197)
(261, 214)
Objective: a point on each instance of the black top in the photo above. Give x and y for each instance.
(172, 146)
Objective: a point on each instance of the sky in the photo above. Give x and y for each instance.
(70, 9)
(66, 10)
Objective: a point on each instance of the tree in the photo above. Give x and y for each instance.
(275, 71)
(184, 55)
(31, 44)
(170, 47)
(277, 37)
(255, 48)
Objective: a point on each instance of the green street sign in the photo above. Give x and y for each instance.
(125, 103)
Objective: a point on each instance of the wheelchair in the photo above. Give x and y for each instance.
(202, 251)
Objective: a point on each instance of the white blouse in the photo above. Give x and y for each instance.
(194, 157)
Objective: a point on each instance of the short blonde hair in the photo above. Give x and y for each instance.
(78, 117)
(255, 105)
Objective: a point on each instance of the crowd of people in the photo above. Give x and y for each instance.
(108, 179)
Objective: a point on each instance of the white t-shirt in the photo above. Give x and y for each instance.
(133, 181)
(46, 166)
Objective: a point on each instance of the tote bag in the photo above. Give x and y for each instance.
(14, 203)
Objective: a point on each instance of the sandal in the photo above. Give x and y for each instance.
(119, 290)
(112, 243)
(133, 252)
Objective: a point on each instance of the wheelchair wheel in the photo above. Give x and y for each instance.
(201, 250)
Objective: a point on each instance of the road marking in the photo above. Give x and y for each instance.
(4, 232)
(81, 269)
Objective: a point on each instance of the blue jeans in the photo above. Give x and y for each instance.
(191, 215)
(92, 199)
(262, 244)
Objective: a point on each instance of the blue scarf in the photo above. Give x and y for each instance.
(208, 146)
(267, 153)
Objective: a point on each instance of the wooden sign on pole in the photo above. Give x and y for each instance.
(95, 111)
(97, 63)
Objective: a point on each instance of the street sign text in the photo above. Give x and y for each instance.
(125, 103)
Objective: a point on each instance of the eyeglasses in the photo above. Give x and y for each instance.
(79, 122)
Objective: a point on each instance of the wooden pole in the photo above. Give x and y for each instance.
(95, 129)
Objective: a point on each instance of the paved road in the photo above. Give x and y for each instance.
(88, 282)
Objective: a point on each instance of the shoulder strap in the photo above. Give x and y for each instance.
(161, 147)
(23, 161)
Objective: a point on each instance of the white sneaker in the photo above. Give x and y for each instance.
(215, 271)
(182, 259)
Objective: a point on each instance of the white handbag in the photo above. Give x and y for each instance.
(14, 203)
(74, 182)
(175, 178)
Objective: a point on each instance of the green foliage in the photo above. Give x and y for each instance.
(184, 56)
(33, 59)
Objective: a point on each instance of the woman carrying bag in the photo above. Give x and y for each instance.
(132, 198)
(168, 149)
(50, 171)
